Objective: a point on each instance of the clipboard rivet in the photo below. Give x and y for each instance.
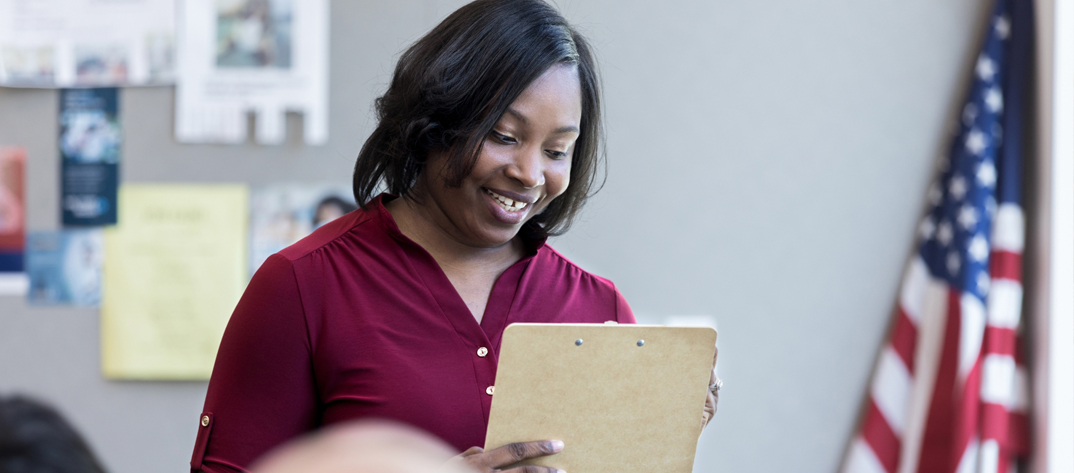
(578, 342)
(641, 343)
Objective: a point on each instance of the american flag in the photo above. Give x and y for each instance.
(949, 392)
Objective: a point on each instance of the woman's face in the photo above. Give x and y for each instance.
(524, 164)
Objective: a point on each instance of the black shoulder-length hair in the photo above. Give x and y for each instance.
(453, 85)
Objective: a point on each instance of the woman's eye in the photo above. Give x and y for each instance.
(502, 138)
(556, 154)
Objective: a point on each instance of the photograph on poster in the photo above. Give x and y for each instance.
(27, 65)
(280, 215)
(64, 267)
(253, 33)
(101, 64)
(12, 208)
(251, 57)
(89, 127)
(90, 143)
(160, 53)
(65, 43)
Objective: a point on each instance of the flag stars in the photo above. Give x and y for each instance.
(935, 194)
(969, 114)
(993, 99)
(990, 206)
(984, 282)
(1003, 27)
(986, 68)
(976, 142)
(986, 174)
(967, 217)
(944, 233)
(978, 249)
(927, 229)
(957, 187)
(954, 263)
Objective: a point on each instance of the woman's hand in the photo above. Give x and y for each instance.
(714, 397)
(477, 459)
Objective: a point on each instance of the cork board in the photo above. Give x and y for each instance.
(617, 406)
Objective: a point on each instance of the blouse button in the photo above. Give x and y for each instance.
(482, 352)
(489, 390)
(204, 421)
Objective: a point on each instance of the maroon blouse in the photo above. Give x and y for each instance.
(358, 321)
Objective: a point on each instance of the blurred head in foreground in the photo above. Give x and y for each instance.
(362, 447)
(34, 438)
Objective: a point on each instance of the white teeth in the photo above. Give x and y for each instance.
(509, 205)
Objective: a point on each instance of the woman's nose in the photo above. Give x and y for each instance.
(527, 168)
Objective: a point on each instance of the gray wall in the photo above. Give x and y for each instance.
(768, 160)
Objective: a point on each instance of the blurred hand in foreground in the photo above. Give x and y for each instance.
(363, 447)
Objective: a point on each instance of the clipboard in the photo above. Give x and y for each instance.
(620, 397)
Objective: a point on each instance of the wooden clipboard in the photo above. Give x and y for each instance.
(620, 397)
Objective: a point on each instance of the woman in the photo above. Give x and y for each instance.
(489, 135)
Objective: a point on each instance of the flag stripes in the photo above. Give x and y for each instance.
(949, 392)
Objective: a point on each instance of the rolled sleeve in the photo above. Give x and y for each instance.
(262, 391)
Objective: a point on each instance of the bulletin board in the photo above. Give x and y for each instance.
(135, 425)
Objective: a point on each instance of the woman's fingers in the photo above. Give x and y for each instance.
(712, 375)
(710, 410)
(533, 469)
(714, 397)
(463, 461)
(515, 452)
(472, 451)
(476, 459)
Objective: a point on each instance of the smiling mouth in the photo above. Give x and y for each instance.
(506, 203)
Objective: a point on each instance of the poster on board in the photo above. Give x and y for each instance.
(265, 57)
(64, 267)
(89, 150)
(12, 220)
(76, 43)
(282, 214)
(174, 268)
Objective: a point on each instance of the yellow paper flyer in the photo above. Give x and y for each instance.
(175, 266)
